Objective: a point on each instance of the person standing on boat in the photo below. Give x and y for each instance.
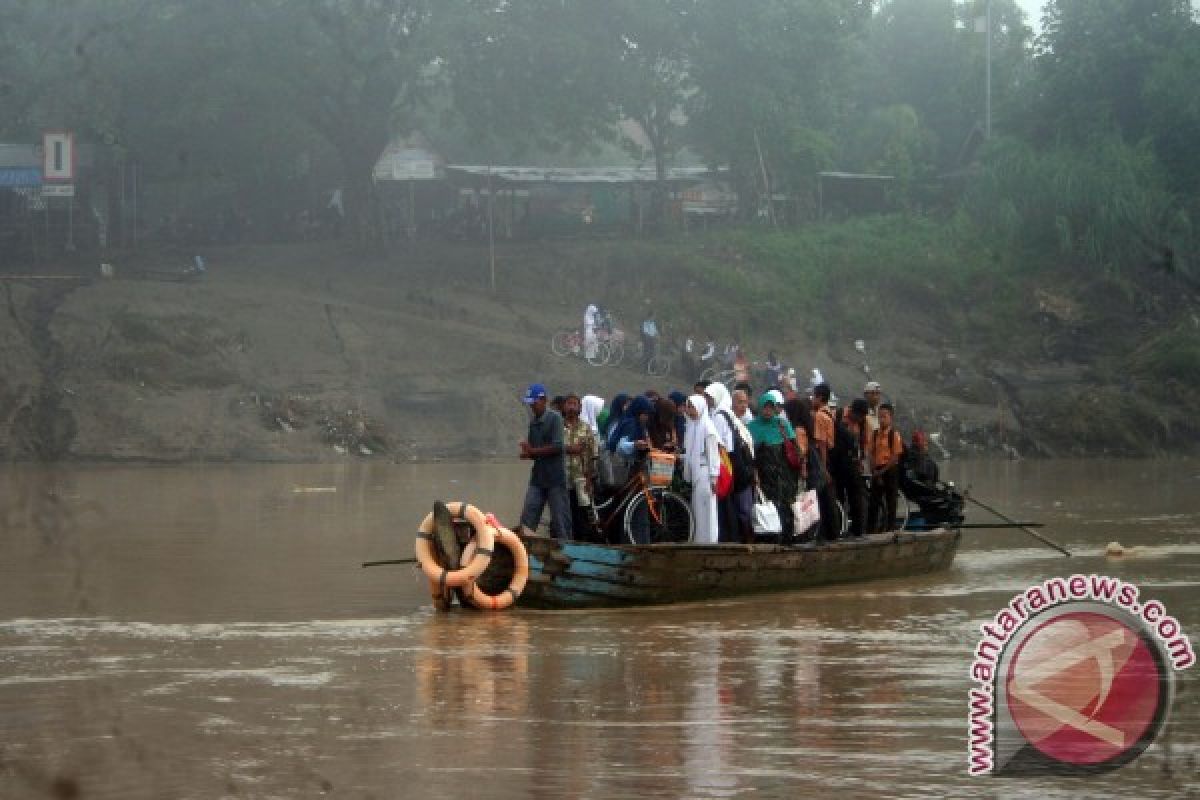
(580, 448)
(661, 426)
(701, 465)
(848, 464)
(741, 402)
(873, 394)
(608, 418)
(887, 447)
(775, 476)
(743, 499)
(729, 433)
(590, 408)
(548, 479)
(822, 440)
(630, 437)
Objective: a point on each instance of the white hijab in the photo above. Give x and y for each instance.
(698, 430)
(724, 402)
(589, 407)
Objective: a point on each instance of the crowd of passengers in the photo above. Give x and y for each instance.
(776, 446)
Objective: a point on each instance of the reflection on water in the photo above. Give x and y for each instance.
(207, 632)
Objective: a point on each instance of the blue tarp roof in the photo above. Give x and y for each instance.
(20, 176)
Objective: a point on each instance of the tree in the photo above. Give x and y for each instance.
(350, 69)
(764, 70)
(653, 80)
(1094, 59)
(926, 54)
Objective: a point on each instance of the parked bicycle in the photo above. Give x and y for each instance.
(716, 374)
(571, 343)
(657, 364)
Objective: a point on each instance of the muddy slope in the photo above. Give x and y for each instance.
(308, 353)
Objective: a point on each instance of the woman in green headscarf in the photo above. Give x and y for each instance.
(775, 476)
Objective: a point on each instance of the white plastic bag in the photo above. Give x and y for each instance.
(765, 517)
(806, 510)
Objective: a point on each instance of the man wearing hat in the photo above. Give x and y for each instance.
(874, 396)
(548, 478)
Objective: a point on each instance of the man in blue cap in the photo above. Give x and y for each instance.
(548, 479)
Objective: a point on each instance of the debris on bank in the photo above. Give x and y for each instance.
(347, 431)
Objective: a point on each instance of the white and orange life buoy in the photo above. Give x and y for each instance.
(442, 579)
(498, 602)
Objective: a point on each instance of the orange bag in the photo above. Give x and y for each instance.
(662, 468)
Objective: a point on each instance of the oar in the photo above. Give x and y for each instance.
(1025, 528)
(983, 526)
(390, 561)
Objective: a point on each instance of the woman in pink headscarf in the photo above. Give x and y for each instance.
(701, 465)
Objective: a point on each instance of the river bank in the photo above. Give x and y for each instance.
(308, 353)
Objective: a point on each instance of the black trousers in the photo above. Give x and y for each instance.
(853, 494)
(885, 491)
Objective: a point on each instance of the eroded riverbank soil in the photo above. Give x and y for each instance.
(309, 353)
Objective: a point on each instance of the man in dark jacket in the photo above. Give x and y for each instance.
(847, 464)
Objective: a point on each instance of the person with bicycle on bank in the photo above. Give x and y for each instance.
(650, 337)
(590, 325)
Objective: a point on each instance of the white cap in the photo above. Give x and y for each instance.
(872, 386)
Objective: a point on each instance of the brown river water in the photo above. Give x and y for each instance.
(208, 631)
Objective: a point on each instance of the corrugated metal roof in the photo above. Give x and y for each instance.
(859, 176)
(578, 174)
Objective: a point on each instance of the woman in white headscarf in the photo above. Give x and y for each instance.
(589, 330)
(591, 407)
(701, 465)
(730, 431)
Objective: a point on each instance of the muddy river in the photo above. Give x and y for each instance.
(208, 631)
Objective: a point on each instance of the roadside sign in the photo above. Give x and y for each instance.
(58, 190)
(58, 156)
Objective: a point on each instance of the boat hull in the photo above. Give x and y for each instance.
(582, 575)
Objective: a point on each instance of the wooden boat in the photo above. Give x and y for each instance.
(584, 575)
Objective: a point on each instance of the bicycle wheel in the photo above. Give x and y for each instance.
(599, 356)
(670, 520)
(659, 365)
(560, 343)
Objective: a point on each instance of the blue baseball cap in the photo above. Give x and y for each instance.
(535, 392)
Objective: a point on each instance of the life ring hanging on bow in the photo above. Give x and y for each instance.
(440, 578)
(474, 595)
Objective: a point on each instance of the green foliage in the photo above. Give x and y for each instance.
(1104, 204)
(1173, 357)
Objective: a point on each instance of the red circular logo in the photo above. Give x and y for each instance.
(1085, 689)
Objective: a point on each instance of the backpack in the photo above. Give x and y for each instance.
(739, 457)
(901, 450)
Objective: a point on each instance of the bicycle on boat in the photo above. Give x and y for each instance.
(644, 509)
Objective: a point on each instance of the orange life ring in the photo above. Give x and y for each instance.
(498, 602)
(440, 578)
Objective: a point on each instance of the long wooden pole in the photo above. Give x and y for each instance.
(1025, 528)
(389, 561)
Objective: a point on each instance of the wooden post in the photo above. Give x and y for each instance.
(412, 219)
(491, 230)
